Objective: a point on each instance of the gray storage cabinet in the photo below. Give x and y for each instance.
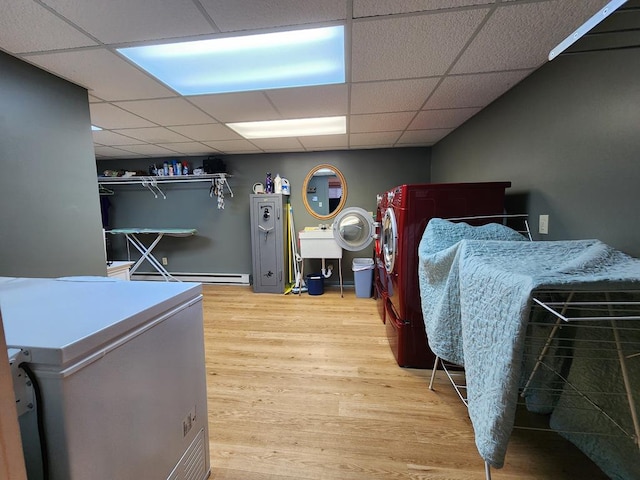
(268, 242)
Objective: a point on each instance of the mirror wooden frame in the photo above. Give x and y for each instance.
(305, 185)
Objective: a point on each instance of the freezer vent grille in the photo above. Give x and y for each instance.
(193, 464)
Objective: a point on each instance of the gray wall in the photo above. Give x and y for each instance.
(50, 216)
(223, 243)
(568, 138)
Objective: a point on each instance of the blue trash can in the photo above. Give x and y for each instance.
(315, 283)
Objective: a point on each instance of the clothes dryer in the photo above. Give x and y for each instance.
(408, 210)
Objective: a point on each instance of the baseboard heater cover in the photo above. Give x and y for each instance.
(217, 278)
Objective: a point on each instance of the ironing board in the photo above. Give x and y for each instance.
(131, 236)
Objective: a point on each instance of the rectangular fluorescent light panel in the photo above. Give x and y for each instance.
(302, 127)
(297, 58)
(95, 129)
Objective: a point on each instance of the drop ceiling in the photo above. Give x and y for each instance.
(416, 69)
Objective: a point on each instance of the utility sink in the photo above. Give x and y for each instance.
(318, 243)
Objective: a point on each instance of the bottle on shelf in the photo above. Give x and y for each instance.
(277, 184)
(268, 184)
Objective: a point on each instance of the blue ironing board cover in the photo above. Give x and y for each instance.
(174, 232)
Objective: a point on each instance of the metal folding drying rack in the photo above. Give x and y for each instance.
(614, 315)
(603, 310)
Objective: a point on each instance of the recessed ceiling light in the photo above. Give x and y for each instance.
(301, 127)
(95, 129)
(313, 56)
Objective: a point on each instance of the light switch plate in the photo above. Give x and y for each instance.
(543, 224)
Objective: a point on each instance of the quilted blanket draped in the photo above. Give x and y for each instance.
(476, 298)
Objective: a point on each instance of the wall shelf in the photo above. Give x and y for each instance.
(218, 183)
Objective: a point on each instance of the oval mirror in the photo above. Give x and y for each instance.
(324, 191)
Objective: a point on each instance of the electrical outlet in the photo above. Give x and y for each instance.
(543, 224)
(165, 261)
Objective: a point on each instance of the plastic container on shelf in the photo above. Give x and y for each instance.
(363, 276)
(268, 184)
(277, 184)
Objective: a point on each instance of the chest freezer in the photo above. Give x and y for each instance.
(121, 373)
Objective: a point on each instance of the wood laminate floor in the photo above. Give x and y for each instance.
(306, 387)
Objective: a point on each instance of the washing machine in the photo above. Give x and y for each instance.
(407, 211)
(380, 276)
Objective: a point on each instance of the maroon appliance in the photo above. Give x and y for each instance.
(407, 210)
(380, 277)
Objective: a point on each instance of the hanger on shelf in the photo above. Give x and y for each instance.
(102, 190)
(151, 184)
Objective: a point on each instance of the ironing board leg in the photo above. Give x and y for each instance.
(146, 254)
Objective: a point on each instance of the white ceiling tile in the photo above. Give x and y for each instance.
(187, 148)
(414, 46)
(391, 96)
(237, 107)
(233, 146)
(112, 152)
(325, 142)
(106, 115)
(423, 137)
(147, 149)
(449, 118)
(122, 21)
(166, 111)
(19, 21)
(511, 40)
(304, 102)
(282, 149)
(249, 14)
(105, 74)
(153, 135)
(473, 90)
(372, 8)
(378, 139)
(106, 137)
(273, 144)
(208, 132)
(380, 122)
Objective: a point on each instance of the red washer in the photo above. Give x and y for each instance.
(381, 277)
(409, 209)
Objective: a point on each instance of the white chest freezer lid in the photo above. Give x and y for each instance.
(62, 320)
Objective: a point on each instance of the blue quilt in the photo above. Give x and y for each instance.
(476, 296)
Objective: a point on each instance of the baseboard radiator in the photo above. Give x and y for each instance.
(216, 278)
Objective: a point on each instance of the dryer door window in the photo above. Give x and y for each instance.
(354, 229)
(389, 240)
